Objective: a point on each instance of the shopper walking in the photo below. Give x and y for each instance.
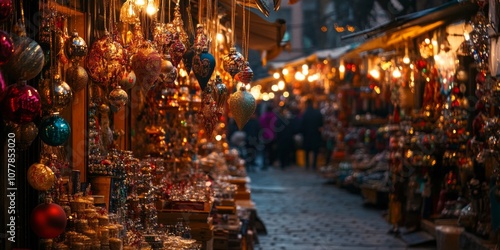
(286, 126)
(312, 121)
(268, 135)
(252, 142)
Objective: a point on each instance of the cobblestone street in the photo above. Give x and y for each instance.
(302, 211)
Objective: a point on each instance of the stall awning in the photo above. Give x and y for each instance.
(336, 52)
(264, 35)
(409, 26)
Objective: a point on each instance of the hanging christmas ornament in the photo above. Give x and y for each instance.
(220, 93)
(77, 77)
(62, 95)
(129, 12)
(75, 47)
(128, 79)
(245, 75)
(203, 67)
(179, 26)
(54, 130)
(6, 9)
(56, 94)
(201, 41)
(27, 60)
(177, 50)
(48, 220)
(233, 62)
(242, 105)
(21, 103)
(118, 98)
(41, 177)
(25, 135)
(146, 64)
(105, 60)
(208, 115)
(203, 62)
(6, 47)
(169, 71)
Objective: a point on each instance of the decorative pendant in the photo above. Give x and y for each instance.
(118, 98)
(233, 62)
(105, 60)
(242, 105)
(220, 94)
(245, 75)
(146, 64)
(203, 67)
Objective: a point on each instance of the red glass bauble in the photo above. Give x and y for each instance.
(48, 220)
(421, 64)
(21, 103)
(456, 90)
(481, 77)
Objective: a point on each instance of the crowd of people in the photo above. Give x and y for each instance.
(274, 136)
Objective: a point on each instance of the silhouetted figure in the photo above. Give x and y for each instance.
(252, 142)
(268, 135)
(287, 125)
(311, 123)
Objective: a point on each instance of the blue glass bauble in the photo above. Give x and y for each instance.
(54, 130)
(203, 67)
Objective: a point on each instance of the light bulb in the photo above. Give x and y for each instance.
(131, 11)
(406, 60)
(342, 68)
(396, 73)
(151, 8)
(140, 2)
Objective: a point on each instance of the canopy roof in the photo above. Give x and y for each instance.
(409, 26)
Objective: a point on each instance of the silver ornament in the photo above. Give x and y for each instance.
(75, 47)
(118, 98)
(63, 95)
(27, 60)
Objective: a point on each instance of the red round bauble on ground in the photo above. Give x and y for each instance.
(48, 220)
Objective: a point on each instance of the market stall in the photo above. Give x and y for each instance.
(114, 116)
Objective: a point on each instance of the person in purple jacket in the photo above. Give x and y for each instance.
(268, 135)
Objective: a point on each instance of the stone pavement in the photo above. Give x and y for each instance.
(301, 211)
